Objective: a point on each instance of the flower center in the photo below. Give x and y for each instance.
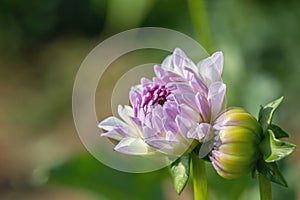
(153, 95)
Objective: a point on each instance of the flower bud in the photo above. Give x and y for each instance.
(236, 143)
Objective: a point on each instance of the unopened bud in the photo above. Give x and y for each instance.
(236, 143)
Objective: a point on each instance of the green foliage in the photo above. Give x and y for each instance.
(271, 172)
(180, 171)
(266, 113)
(278, 132)
(272, 148)
(86, 172)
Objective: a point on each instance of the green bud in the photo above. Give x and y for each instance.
(236, 143)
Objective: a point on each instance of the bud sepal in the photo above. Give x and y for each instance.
(272, 149)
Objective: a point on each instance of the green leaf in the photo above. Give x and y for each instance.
(266, 113)
(271, 172)
(180, 171)
(274, 149)
(278, 132)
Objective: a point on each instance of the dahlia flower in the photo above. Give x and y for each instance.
(171, 113)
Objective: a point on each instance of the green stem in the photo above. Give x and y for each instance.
(199, 178)
(200, 22)
(265, 188)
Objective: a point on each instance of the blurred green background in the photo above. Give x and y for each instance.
(42, 44)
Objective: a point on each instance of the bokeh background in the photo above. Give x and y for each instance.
(42, 44)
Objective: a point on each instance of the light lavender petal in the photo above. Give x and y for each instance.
(118, 133)
(203, 107)
(167, 147)
(188, 113)
(201, 132)
(180, 61)
(183, 124)
(216, 97)
(195, 81)
(148, 133)
(145, 81)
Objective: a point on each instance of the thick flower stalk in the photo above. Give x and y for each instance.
(172, 112)
(236, 143)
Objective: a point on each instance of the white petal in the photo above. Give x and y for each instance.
(218, 60)
(137, 88)
(167, 63)
(205, 148)
(133, 146)
(179, 58)
(109, 123)
(171, 136)
(211, 68)
(125, 113)
(159, 71)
